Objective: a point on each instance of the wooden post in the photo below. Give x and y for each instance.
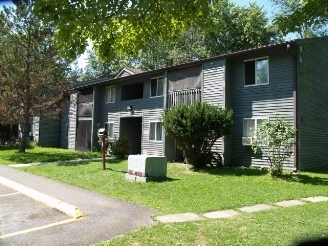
(103, 144)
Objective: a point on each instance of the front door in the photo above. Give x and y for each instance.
(83, 135)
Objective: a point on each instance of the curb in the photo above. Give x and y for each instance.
(52, 202)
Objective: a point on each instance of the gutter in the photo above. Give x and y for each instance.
(296, 106)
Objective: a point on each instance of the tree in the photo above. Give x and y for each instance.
(235, 28)
(274, 139)
(307, 18)
(95, 68)
(123, 27)
(196, 128)
(32, 78)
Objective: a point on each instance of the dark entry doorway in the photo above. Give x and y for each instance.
(132, 127)
(83, 135)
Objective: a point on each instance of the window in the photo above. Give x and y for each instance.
(257, 72)
(110, 94)
(132, 91)
(157, 87)
(155, 131)
(250, 126)
(109, 127)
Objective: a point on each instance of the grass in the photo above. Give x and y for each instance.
(188, 191)
(281, 226)
(10, 155)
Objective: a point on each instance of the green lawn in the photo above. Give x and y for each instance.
(281, 226)
(188, 191)
(10, 155)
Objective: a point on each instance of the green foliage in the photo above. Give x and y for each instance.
(122, 147)
(274, 139)
(33, 79)
(196, 128)
(306, 18)
(95, 68)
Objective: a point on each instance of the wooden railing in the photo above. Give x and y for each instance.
(189, 97)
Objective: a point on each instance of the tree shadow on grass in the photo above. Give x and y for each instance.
(233, 171)
(87, 161)
(305, 179)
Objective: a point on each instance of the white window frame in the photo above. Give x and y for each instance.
(255, 59)
(111, 97)
(255, 124)
(155, 140)
(160, 77)
(108, 123)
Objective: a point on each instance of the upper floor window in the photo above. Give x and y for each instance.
(110, 94)
(157, 87)
(257, 71)
(132, 91)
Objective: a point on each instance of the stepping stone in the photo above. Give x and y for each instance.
(315, 199)
(221, 214)
(289, 203)
(179, 218)
(255, 208)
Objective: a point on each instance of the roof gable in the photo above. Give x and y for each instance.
(127, 72)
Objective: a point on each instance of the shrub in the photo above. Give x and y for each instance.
(196, 128)
(274, 139)
(122, 147)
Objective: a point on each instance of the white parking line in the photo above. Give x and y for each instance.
(10, 194)
(37, 228)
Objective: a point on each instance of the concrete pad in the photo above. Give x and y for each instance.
(315, 199)
(130, 177)
(179, 218)
(64, 207)
(255, 208)
(289, 203)
(221, 214)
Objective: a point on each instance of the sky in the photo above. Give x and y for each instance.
(265, 4)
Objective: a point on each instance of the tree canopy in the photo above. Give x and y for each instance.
(308, 18)
(33, 78)
(115, 27)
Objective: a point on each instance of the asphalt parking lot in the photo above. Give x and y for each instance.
(21, 217)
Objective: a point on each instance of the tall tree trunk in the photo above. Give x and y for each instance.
(23, 141)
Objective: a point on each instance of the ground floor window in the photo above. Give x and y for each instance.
(250, 126)
(109, 127)
(155, 131)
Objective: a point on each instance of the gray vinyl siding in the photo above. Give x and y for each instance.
(49, 133)
(36, 122)
(72, 121)
(124, 74)
(260, 100)
(228, 98)
(63, 135)
(313, 107)
(147, 108)
(213, 90)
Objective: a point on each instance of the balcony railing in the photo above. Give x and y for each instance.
(189, 97)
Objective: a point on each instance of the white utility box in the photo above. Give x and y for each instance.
(143, 167)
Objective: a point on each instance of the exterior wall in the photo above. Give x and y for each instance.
(228, 101)
(63, 135)
(261, 100)
(72, 121)
(149, 109)
(313, 109)
(36, 122)
(49, 133)
(213, 90)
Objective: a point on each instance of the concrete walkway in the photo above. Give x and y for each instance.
(104, 217)
(174, 218)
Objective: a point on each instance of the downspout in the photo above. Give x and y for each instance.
(296, 123)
